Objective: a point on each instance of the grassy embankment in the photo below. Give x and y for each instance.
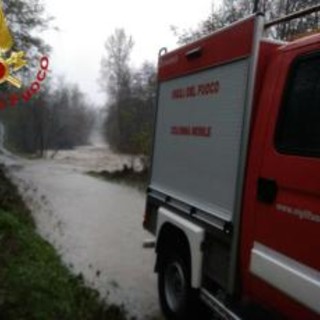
(34, 284)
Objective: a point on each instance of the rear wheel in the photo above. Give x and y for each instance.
(175, 292)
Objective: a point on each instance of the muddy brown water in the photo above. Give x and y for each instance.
(95, 225)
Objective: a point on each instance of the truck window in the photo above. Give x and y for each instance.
(298, 129)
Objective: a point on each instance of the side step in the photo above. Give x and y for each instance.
(217, 306)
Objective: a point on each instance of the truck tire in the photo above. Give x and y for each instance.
(177, 298)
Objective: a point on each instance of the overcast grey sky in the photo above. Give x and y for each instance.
(85, 25)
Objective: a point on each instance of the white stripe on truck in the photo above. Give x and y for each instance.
(297, 280)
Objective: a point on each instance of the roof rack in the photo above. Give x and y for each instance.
(293, 16)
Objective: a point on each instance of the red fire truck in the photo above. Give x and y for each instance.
(234, 194)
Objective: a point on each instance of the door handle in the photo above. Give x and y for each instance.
(267, 190)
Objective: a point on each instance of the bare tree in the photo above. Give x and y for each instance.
(115, 69)
(115, 81)
(233, 10)
(53, 120)
(128, 126)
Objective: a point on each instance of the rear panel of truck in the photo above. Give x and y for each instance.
(203, 94)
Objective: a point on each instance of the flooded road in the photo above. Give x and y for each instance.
(95, 225)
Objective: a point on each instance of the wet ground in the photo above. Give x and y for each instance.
(95, 225)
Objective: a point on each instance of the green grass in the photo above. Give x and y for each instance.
(34, 284)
